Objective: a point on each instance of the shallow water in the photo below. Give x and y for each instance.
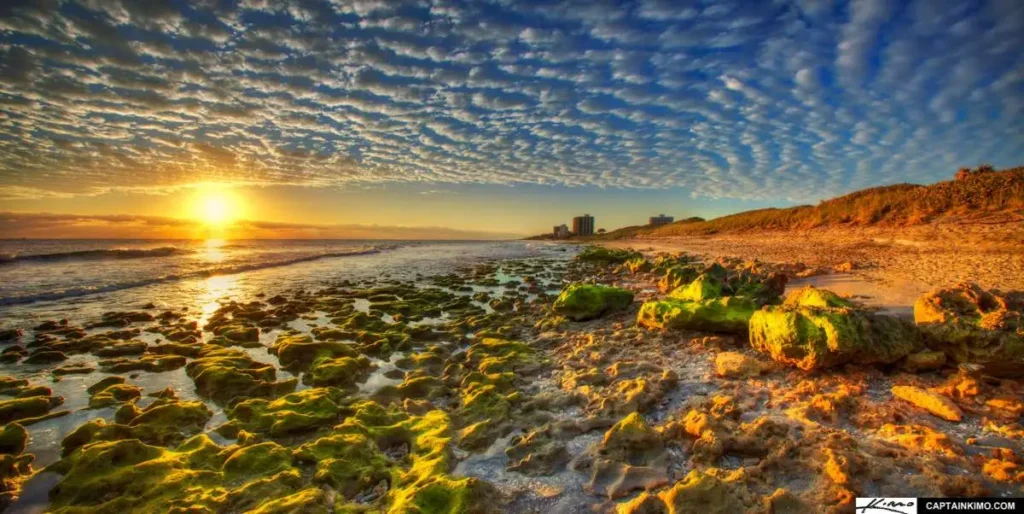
(200, 298)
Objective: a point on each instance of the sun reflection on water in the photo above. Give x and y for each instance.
(213, 250)
(216, 288)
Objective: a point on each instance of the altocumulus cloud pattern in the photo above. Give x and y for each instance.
(769, 99)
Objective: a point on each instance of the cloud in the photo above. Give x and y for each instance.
(796, 99)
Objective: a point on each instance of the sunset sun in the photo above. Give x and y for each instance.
(216, 207)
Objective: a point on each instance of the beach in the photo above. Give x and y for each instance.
(485, 377)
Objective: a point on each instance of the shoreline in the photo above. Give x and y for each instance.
(504, 396)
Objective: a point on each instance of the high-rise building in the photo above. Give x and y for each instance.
(583, 225)
(560, 231)
(660, 219)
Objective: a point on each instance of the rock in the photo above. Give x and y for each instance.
(844, 267)
(74, 369)
(675, 277)
(34, 391)
(631, 456)
(705, 287)
(811, 296)
(932, 402)
(150, 363)
(537, 454)
(736, 365)
(258, 460)
(13, 438)
(815, 329)
(104, 383)
(342, 372)
(925, 360)
(121, 349)
(972, 325)
(920, 438)
(606, 256)
(45, 357)
(706, 494)
(9, 335)
(292, 413)
(226, 373)
(616, 479)
(114, 394)
(729, 315)
(632, 440)
(637, 265)
(26, 408)
(581, 302)
(164, 422)
(299, 351)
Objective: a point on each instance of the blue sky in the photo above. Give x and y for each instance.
(624, 109)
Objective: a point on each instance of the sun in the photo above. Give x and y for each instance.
(216, 207)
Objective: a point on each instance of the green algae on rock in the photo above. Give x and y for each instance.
(582, 302)
(972, 325)
(164, 422)
(296, 412)
(226, 373)
(113, 395)
(729, 314)
(675, 277)
(606, 256)
(27, 408)
(809, 333)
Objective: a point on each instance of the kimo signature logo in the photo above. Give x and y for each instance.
(886, 506)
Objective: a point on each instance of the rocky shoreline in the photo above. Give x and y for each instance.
(611, 382)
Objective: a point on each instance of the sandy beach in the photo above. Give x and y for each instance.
(891, 266)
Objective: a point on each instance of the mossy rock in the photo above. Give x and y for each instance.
(13, 438)
(297, 412)
(258, 460)
(581, 302)
(606, 256)
(299, 351)
(164, 422)
(972, 325)
(349, 463)
(113, 395)
(631, 440)
(675, 277)
(342, 372)
(223, 374)
(822, 337)
(27, 408)
(704, 287)
(729, 315)
(104, 383)
(811, 296)
(150, 363)
(128, 475)
(637, 265)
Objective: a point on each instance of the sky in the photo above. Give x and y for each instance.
(493, 118)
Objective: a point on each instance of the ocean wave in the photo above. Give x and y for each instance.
(96, 255)
(228, 270)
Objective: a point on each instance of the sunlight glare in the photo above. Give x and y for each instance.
(216, 206)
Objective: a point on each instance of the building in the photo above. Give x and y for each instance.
(660, 219)
(560, 231)
(583, 225)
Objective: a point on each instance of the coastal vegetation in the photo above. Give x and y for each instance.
(972, 194)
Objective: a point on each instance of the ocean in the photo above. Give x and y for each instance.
(44, 279)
